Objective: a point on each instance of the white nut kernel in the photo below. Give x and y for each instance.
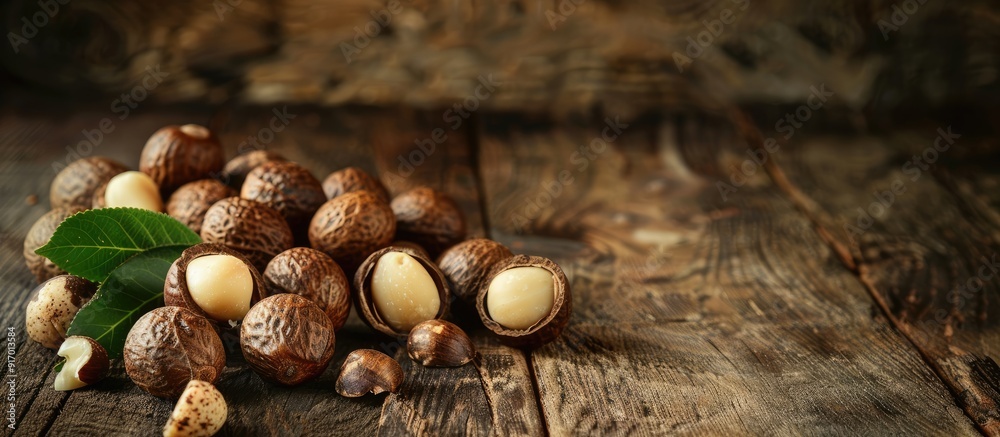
(521, 297)
(221, 285)
(86, 363)
(403, 292)
(200, 411)
(133, 189)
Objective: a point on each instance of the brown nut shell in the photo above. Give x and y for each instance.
(368, 371)
(38, 236)
(191, 201)
(352, 226)
(170, 346)
(351, 179)
(467, 265)
(438, 343)
(429, 218)
(53, 305)
(290, 189)
(287, 339)
(74, 186)
(236, 170)
(546, 329)
(176, 155)
(251, 228)
(365, 305)
(175, 287)
(313, 275)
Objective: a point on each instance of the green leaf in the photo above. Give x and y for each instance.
(133, 289)
(92, 243)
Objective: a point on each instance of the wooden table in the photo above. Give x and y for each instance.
(758, 314)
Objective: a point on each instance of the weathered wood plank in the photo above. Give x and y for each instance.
(495, 397)
(928, 254)
(694, 315)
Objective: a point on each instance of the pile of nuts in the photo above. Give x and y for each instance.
(283, 257)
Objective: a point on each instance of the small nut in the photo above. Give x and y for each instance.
(74, 186)
(86, 363)
(251, 228)
(52, 307)
(39, 235)
(176, 155)
(429, 218)
(313, 275)
(290, 189)
(368, 371)
(352, 226)
(467, 265)
(236, 170)
(437, 343)
(170, 346)
(398, 287)
(215, 282)
(200, 411)
(525, 301)
(287, 339)
(191, 201)
(351, 179)
(130, 189)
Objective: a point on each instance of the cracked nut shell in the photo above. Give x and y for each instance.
(351, 179)
(315, 276)
(176, 155)
(39, 235)
(438, 343)
(287, 339)
(191, 201)
(75, 185)
(368, 371)
(53, 305)
(546, 329)
(349, 227)
(170, 346)
(429, 218)
(175, 287)
(86, 363)
(249, 227)
(365, 304)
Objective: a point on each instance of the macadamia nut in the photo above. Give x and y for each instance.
(520, 297)
(221, 285)
(403, 292)
(133, 189)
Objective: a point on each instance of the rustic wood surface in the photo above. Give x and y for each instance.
(693, 314)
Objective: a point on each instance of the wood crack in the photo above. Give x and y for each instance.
(817, 217)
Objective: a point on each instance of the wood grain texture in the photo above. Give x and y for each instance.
(928, 253)
(695, 315)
